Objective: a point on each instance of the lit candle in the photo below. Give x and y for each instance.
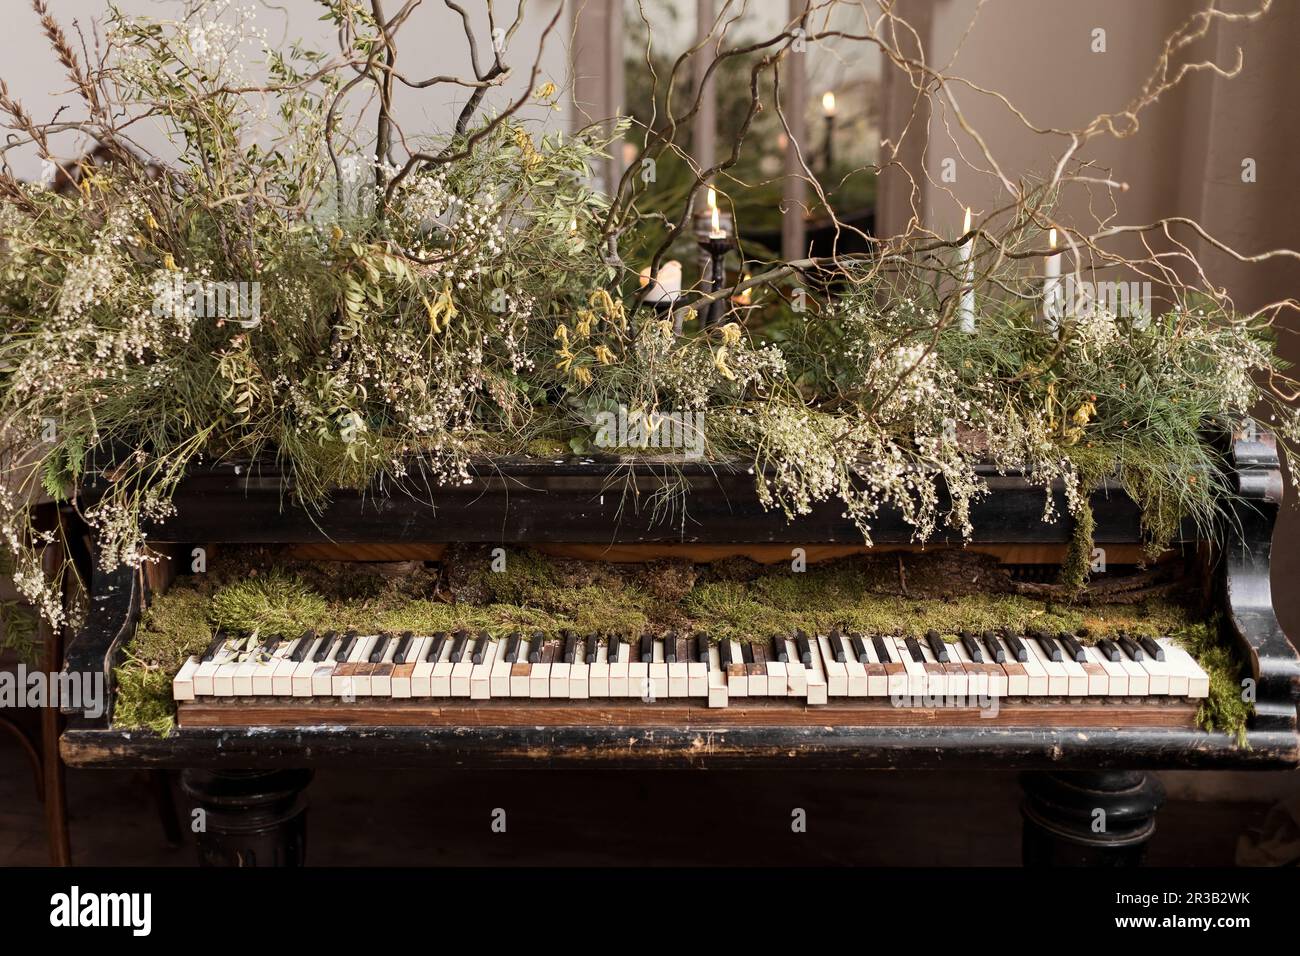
(966, 308)
(828, 110)
(1052, 286)
(716, 231)
(828, 102)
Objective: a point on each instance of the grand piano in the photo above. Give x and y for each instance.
(1083, 731)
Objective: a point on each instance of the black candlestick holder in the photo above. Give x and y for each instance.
(716, 248)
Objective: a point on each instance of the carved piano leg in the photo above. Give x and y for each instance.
(250, 817)
(1100, 818)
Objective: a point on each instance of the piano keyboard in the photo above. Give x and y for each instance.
(813, 668)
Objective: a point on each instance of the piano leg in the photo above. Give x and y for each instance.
(1102, 818)
(250, 817)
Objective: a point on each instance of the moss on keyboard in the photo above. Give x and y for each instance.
(262, 590)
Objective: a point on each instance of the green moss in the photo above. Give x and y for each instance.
(1078, 556)
(548, 448)
(1225, 709)
(277, 605)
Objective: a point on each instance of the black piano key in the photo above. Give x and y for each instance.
(438, 642)
(269, 647)
(481, 648)
(778, 651)
(670, 648)
(1151, 647)
(512, 647)
(805, 649)
(997, 653)
(859, 648)
(1049, 646)
(1072, 647)
(938, 647)
(1107, 647)
(702, 648)
(217, 643)
(403, 647)
(570, 647)
(345, 646)
(302, 647)
(377, 651)
(914, 648)
(458, 642)
(972, 647)
(647, 647)
(1129, 648)
(591, 645)
(724, 653)
(882, 651)
(837, 646)
(747, 652)
(323, 648)
(1018, 649)
(535, 647)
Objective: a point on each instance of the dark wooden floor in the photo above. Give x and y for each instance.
(643, 818)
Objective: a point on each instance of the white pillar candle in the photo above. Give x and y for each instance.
(1052, 287)
(966, 308)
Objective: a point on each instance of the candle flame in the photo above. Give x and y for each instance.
(717, 227)
(966, 225)
(1051, 238)
(828, 102)
(713, 198)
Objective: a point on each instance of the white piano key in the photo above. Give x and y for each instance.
(1158, 673)
(242, 677)
(978, 683)
(499, 680)
(539, 678)
(480, 677)
(282, 675)
(900, 682)
(1075, 675)
(796, 674)
(521, 670)
(1116, 673)
(877, 678)
(207, 670)
(638, 672)
(223, 680)
(403, 680)
(718, 694)
(659, 672)
(856, 670)
(560, 675)
(462, 669)
(679, 672)
(363, 679)
(756, 673)
(264, 668)
(1038, 682)
(1185, 666)
(1098, 675)
(440, 676)
(737, 678)
(817, 686)
(1139, 680)
(183, 682)
(917, 678)
(345, 685)
(1058, 682)
(837, 676)
(957, 680)
(580, 674)
(618, 671)
(697, 676)
(936, 679)
(422, 675)
(778, 678)
(598, 680)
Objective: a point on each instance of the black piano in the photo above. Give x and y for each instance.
(248, 759)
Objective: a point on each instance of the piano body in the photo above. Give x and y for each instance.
(247, 757)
